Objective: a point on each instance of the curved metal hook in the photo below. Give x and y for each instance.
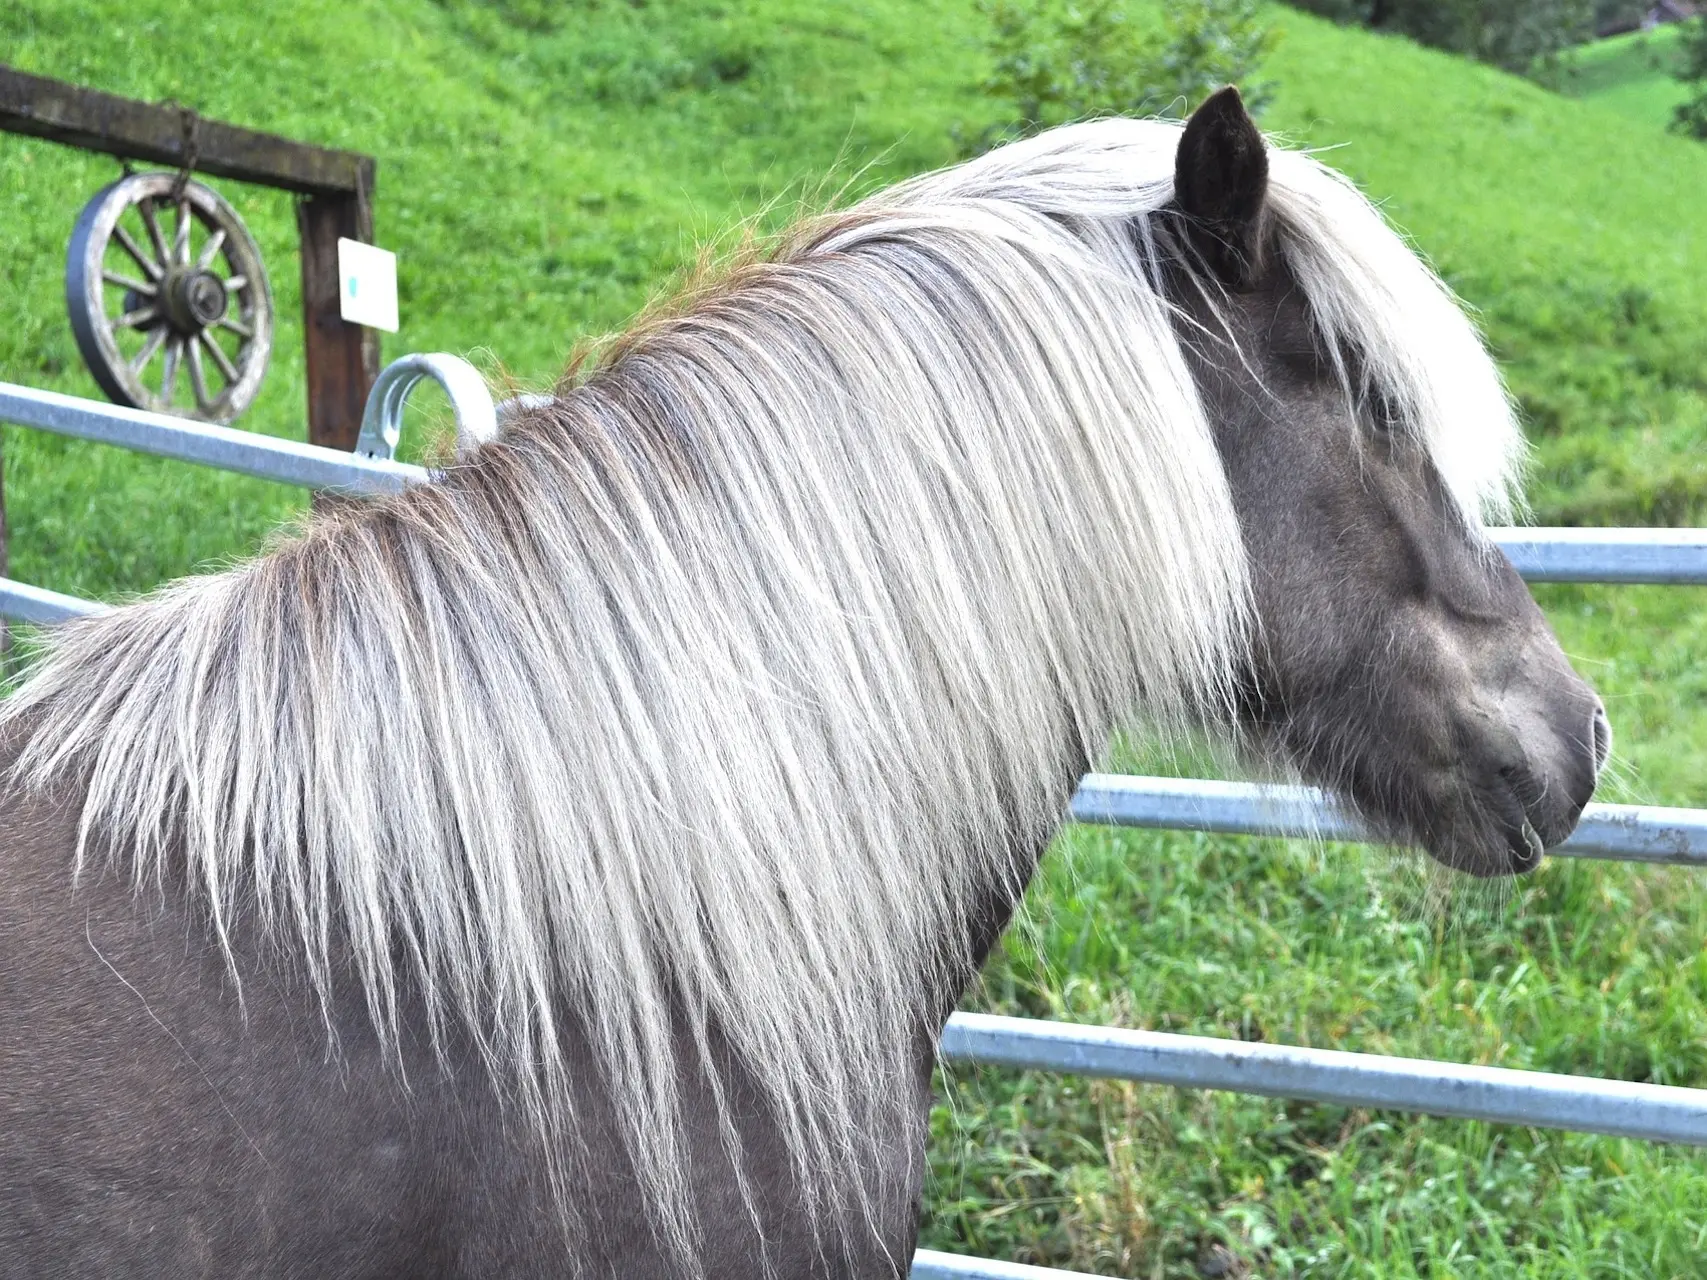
(382, 420)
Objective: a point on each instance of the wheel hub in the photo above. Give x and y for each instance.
(194, 299)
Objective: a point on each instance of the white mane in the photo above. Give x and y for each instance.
(707, 701)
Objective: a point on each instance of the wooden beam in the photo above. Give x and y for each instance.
(342, 358)
(175, 136)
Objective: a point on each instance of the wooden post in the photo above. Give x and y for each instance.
(5, 571)
(342, 358)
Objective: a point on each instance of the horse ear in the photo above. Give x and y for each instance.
(1220, 181)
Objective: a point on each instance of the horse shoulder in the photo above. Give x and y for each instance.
(166, 1112)
(165, 1115)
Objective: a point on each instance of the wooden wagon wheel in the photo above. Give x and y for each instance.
(173, 319)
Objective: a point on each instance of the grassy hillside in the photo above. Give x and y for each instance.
(1632, 74)
(539, 174)
(543, 167)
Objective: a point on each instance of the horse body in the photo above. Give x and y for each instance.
(572, 863)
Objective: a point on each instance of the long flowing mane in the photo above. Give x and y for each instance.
(703, 705)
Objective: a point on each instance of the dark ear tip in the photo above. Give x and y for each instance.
(1225, 108)
(1226, 98)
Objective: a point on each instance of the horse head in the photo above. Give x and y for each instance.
(1397, 657)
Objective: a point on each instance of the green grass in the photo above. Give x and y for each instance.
(1581, 969)
(1632, 74)
(544, 167)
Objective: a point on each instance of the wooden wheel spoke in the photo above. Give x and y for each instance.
(236, 326)
(141, 318)
(152, 269)
(226, 368)
(169, 375)
(214, 243)
(181, 240)
(145, 208)
(234, 283)
(156, 338)
(198, 375)
(129, 282)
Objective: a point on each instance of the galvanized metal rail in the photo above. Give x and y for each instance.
(370, 470)
(1500, 1095)
(382, 420)
(21, 602)
(1542, 1099)
(931, 1265)
(227, 448)
(1674, 557)
(1619, 832)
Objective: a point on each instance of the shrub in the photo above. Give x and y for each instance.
(1691, 116)
(1061, 60)
(1519, 35)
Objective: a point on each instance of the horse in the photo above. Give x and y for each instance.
(566, 867)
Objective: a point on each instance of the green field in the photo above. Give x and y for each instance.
(545, 167)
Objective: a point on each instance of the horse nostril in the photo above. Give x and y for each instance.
(1602, 737)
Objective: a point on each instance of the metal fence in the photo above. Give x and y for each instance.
(1632, 833)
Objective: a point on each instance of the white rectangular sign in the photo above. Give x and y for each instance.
(367, 285)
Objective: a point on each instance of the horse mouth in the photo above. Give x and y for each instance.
(1481, 814)
(1483, 849)
(1523, 851)
(1502, 829)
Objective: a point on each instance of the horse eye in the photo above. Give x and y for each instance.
(1308, 364)
(1384, 413)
